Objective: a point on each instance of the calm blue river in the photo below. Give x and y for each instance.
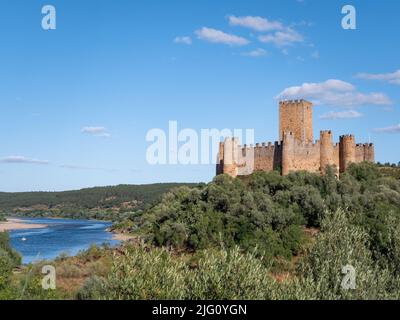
(61, 236)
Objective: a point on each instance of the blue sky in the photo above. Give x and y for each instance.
(76, 102)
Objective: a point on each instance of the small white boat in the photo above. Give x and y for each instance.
(23, 239)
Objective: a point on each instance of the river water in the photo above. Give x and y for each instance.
(61, 236)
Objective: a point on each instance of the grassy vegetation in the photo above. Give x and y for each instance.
(104, 203)
(265, 237)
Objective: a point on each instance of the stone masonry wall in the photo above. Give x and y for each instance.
(299, 155)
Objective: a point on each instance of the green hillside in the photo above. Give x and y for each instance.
(98, 202)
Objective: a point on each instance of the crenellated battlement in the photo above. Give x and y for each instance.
(348, 137)
(325, 133)
(364, 145)
(365, 152)
(261, 146)
(292, 102)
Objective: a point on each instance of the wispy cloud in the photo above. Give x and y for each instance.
(280, 34)
(336, 115)
(335, 93)
(391, 129)
(79, 167)
(302, 23)
(255, 23)
(315, 55)
(75, 167)
(282, 38)
(218, 36)
(255, 53)
(96, 131)
(393, 78)
(23, 160)
(183, 40)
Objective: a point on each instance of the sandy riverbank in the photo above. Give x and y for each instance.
(16, 224)
(122, 237)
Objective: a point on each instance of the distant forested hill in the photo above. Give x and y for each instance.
(98, 202)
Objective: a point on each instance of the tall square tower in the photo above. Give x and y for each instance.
(296, 116)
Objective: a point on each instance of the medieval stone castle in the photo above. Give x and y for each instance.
(296, 148)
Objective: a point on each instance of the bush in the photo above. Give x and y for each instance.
(144, 273)
(230, 275)
(340, 244)
(9, 259)
(6, 266)
(140, 274)
(93, 289)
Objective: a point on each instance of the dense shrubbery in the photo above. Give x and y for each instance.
(9, 259)
(269, 212)
(140, 272)
(341, 243)
(144, 273)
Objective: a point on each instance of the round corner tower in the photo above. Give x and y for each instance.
(327, 151)
(231, 149)
(288, 150)
(347, 151)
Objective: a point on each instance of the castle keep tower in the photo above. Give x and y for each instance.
(296, 116)
(295, 150)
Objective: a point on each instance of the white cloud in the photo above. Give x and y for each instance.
(282, 38)
(391, 129)
(393, 78)
(281, 35)
(183, 40)
(217, 36)
(255, 23)
(79, 167)
(96, 131)
(335, 93)
(255, 53)
(22, 159)
(333, 115)
(315, 55)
